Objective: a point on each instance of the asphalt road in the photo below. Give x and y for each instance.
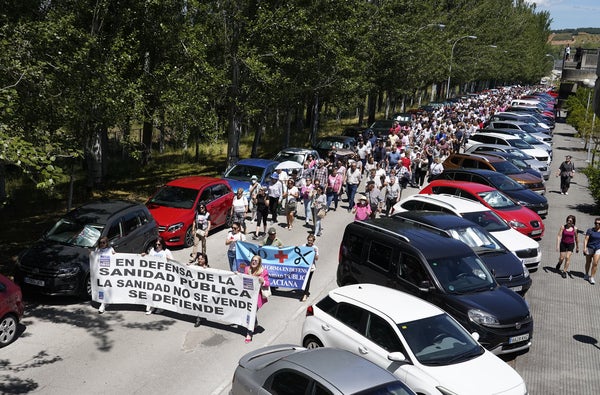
(67, 347)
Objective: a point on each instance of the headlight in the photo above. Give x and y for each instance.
(68, 271)
(175, 227)
(525, 270)
(516, 224)
(482, 318)
(522, 203)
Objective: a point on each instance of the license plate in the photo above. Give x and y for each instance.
(517, 339)
(536, 232)
(517, 288)
(33, 281)
(542, 212)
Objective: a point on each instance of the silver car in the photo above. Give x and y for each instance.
(286, 369)
(539, 166)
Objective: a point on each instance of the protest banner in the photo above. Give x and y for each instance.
(214, 294)
(288, 267)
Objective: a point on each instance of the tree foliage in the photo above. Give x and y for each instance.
(192, 71)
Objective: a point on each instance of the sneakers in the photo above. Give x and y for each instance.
(149, 310)
(102, 308)
(566, 193)
(558, 266)
(563, 274)
(586, 277)
(592, 281)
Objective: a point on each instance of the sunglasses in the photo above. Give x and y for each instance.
(158, 244)
(235, 228)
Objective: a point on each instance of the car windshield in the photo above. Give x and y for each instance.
(293, 156)
(176, 197)
(518, 162)
(528, 128)
(518, 153)
(505, 183)
(71, 232)
(382, 124)
(520, 144)
(488, 220)
(505, 167)
(244, 172)
(328, 144)
(475, 238)
(439, 340)
(497, 200)
(530, 139)
(462, 274)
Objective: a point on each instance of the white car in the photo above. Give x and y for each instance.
(524, 247)
(507, 139)
(415, 340)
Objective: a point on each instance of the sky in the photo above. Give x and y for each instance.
(570, 14)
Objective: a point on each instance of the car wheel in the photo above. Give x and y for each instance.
(312, 342)
(189, 237)
(86, 287)
(8, 329)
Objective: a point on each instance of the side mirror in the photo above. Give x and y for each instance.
(475, 336)
(397, 356)
(425, 286)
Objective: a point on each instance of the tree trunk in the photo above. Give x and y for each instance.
(288, 128)
(371, 109)
(3, 195)
(260, 130)
(233, 141)
(146, 142)
(315, 124)
(94, 155)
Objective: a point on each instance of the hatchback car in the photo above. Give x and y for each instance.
(415, 340)
(174, 206)
(518, 217)
(59, 263)
(11, 310)
(517, 192)
(507, 269)
(326, 144)
(291, 370)
(527, 249)
(240, 174)
(498, 164)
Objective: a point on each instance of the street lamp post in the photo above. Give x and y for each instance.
(451, 57)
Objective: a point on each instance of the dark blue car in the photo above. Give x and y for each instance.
(240, 174)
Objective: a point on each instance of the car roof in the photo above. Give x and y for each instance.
(99, 211)
(438, 219)
(195, 182)
(258, 162)
(336, 138)
(451, 202)
(474, 187)
(400, 307)
(518, 123)
(418, 238)
(297, 150)
(506, 136)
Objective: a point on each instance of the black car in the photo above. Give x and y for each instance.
(504, 265)
(326, 144)
(58, 263)
(441, 270)
(381, 128)
(519, 193)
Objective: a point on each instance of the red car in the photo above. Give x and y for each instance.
(174, 205)
(520, 218)
(11, 310)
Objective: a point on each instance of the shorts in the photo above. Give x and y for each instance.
(290, 207)
(565, 247)
(593, 251)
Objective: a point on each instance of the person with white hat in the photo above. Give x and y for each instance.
(362, 209)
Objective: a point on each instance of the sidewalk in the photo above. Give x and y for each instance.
(565, 355)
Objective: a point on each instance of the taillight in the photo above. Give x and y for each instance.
(310, 311)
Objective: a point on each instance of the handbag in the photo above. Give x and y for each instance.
(265, 291)
(200, 232)
(321, 213)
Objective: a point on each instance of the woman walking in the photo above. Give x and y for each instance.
(201, 227)
(591, 250)
(566, 240)
(256, 269)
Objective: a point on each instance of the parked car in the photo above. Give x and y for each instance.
(498, 164)
(511, 152)
(298, 155)
(11, 310)
(507, 139)
(403, 118)
(522, 117)
(527, 249)
(59, 263)
(520, 194)
(399, 255)
(324, 145)
(518, 217)
(174, 206)
(536, 140)
(415, 340)
(537, 132)
(507, 269)
(291, 370)
(381, 128)
(240, 174)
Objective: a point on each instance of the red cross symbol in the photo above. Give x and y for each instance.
(281, 256)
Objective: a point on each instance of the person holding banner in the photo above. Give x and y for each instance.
(256, 269)
(310, 242)
(159, 250)
(103, 249)
(233, 236)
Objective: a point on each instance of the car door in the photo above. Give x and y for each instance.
(218, 203)
(377, 267)
(130, 236)
(343, 329)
